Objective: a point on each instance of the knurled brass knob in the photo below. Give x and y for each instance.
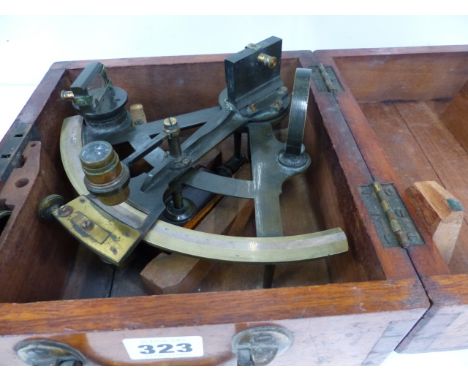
(267, 60)
(105, 176)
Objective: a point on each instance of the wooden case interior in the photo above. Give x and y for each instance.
(417, 104)
(39, 261)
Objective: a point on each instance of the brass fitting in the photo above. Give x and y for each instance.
(172, 130)
(170, 125)
(267, 60)
(137, 113)
(105, 176)
(67, 95)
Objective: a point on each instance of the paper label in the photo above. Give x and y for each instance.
(164, 347)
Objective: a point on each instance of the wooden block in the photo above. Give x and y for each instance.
(174, 273)
(441, 214)
(238, 224)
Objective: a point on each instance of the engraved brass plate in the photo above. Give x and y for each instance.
(103, 234)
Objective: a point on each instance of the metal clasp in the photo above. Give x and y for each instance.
(43, 352)
(260, 345)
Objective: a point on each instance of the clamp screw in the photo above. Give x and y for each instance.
(172, 130)
(170, 125)
(267, 60)
(65, 211)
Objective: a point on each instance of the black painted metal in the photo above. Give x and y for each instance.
(298, 112)
(247, 79)
(101, 104)
(255, 97)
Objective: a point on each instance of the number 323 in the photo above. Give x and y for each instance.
(166, 348)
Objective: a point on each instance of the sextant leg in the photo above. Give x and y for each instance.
(267, 186)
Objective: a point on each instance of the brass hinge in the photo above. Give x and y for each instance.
(390, 216)
(325, 79)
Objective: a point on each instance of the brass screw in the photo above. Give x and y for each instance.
(267, 60)
(169, 124)
(87, 225)
(105, 176)
(252, 108)
(65, 211)
(67, 95)
(277, 105)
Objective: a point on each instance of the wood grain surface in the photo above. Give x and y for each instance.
(363, 305)
(405, 109)
(440, 213)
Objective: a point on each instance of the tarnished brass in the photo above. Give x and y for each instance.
(172, 130)
(178, 239)
(105, 176)
(137, 114)
(267, 60)
(102, 233)
(391, 219)
(169, 122)
(395, 225)
(67, 95)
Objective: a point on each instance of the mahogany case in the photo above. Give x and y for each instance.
(348, 309)
(407, 109)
